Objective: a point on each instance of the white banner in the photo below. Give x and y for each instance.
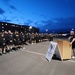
(51, 50)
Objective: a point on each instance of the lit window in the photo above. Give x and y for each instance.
(2, 27)
(2, 24)
(6, 24)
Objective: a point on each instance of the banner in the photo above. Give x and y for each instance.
(51, 50)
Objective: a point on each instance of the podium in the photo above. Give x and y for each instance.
(64, 49)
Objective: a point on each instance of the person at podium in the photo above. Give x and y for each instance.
(72, 42)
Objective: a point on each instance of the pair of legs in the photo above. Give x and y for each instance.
(73, 52)
(2, 50)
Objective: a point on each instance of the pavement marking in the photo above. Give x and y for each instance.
(33, 52)
(45, 55)
(69, 61)
(44, 45)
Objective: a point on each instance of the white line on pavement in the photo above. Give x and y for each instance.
(43, 45)
(69, 61)
(33, 52)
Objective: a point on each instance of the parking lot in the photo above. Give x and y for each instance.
(32, 61)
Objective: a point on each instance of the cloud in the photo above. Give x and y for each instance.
(57, 24)
(12, 7)
(7, 3)
(43, 16)
(48, 22)
(37, 24)
(1, 20)
(2, 11)
(28, 22)
(66, 21)
(5, 19)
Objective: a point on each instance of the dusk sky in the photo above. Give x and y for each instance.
(51, 15)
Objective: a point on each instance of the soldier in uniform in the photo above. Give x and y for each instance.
(10, 40)
(22, 40)
(6, 37)
(50, 37)
(37, 37)
(40, 37)
(27, 38)
(32, 38)
(2, 43)
(16, 40)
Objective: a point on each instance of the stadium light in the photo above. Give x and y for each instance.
(30, 27)
(72, 28)
(46, 30)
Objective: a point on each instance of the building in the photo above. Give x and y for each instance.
(4, 26)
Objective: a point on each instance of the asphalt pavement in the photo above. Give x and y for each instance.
(32, 61)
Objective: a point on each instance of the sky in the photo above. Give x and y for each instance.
(47, 15)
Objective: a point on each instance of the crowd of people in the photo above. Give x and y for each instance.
(10, 41)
